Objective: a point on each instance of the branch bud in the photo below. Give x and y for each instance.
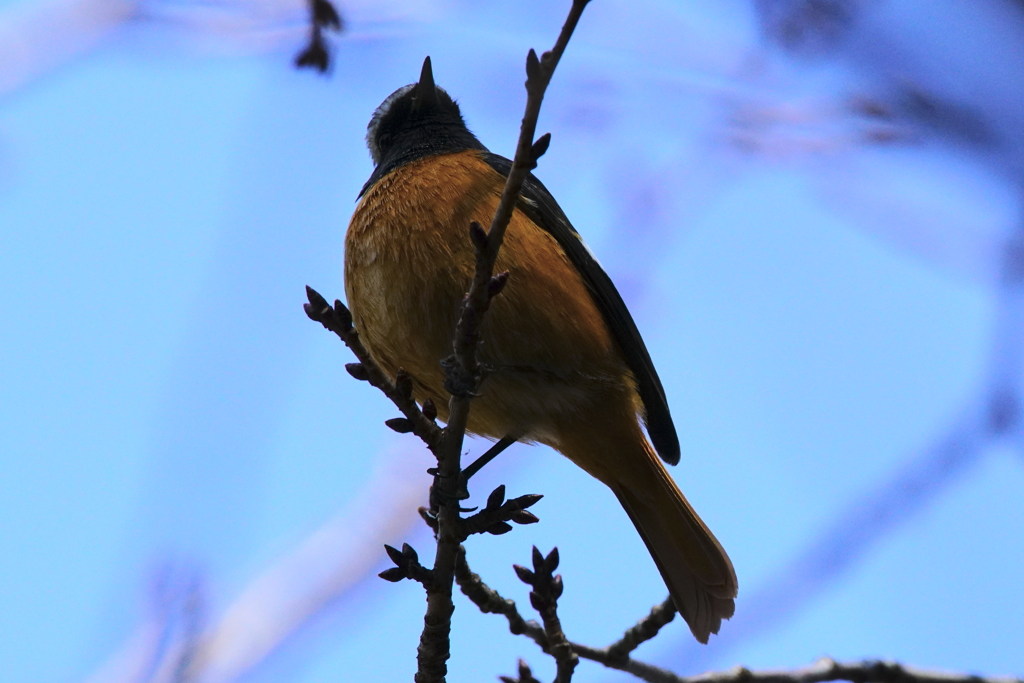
(551, 561)
(538, 561)
(524, 517)
(532, 66)
(394, 575)
(400, 425)
(496, 284)
(316, 306)
(539, 147)
(529, 500)
(478, 235)
(395, 554)
(524, 574)
(499, 528)
(429, 410)
(496, 498)
(357, 370)
(344, 315)
(409, 553)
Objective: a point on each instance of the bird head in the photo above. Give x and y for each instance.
(417, 120)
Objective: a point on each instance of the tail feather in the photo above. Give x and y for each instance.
(683, 549)
(697, 571)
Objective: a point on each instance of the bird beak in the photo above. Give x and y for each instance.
(426, 91)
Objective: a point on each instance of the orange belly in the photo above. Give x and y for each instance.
(408, 263)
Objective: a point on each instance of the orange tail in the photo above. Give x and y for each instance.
(695, 567)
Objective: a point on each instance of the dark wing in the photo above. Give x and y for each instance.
(537, 203)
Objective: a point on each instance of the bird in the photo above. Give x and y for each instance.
(565, 363)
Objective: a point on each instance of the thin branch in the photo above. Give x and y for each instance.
(644, 630)
(407, 566)
(617, 655)
(642, 670)
(871, 671)
(464, 375)
(435, 640)
(547, 588)
(446, 445)
(490, 602)
(539, 73)
(495, 517)
(339, 320)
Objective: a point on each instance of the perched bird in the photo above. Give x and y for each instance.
(565, 363)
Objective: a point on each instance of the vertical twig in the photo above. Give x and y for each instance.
(435, 646)
(528, 151)
(463, 371)
(547, 588)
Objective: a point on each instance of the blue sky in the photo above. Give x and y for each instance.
(167, 410)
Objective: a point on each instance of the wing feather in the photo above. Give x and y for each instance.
(537, 203)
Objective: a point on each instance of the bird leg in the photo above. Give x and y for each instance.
(478, 464)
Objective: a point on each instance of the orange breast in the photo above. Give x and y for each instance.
(408, 263)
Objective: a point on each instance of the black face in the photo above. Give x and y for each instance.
(415, 121)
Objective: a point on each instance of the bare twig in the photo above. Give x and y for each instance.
(616, 655)
(435, 646)
(463, 372)
(338, 319)
(871, 671)
(490, 602)
(407, 566)
(644, 630)
(539, 73)
(547, 588)
(495, 517)
(642, 670)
